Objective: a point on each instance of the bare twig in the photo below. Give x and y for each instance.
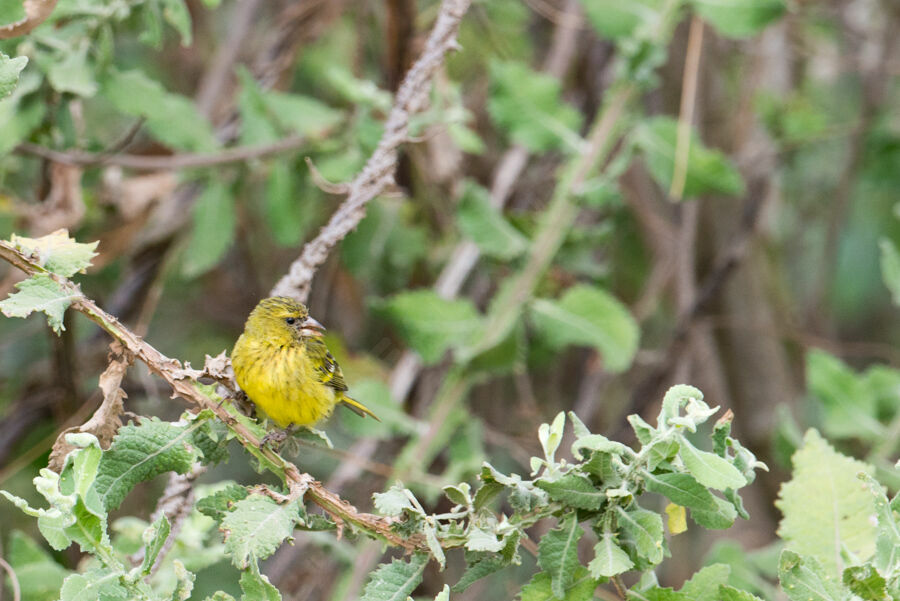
(688, 101)
(378, 172)
(156, 163)
(13, 579)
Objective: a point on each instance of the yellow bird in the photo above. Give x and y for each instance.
(283, 365)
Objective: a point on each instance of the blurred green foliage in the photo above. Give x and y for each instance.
(569, 301)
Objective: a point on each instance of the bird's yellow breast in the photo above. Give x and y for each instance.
(282, 381)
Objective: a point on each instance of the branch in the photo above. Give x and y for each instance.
(185, 384)
(36, 12)
(160, 163)
(378, 172)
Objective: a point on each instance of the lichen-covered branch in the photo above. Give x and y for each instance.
(378, 172)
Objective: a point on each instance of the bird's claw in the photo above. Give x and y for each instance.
(274, 436)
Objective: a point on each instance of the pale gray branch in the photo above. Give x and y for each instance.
(378, 172)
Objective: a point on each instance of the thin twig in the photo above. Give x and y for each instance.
(13, 579)
(378, 172)
(160, 163)
(688, 101)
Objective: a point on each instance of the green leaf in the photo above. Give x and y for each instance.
(658, 593)
(616, 20)
(395, 581)
(184, 581)
(485, 225)
(40, 577)
(9, 73)
(887, 543)
(527, 105)
(40, 292)
(709, 469)
(256, 586)
(704, 585)
(589, 316)
(257, 124)
(304, 115)
(394, 501)
(890, 268)
(865, 582)
(459, 494)
(574, 490)
(177, 15)
(431, 324)
(154, 538)
(218, 504)
(387, 245)
(826, 511)
(171, 118)
(804, 579)
(256, 527)
(708, 171)
(21, 112)
(609, 558)
(73, 74)
(94, 585)
(444, 595)
(720, 518)
(540, 588)
(729, 593)
(848, 403)
(550, 435)
(479, 539)
(11, 11)
(57, 252)
(601, 465)
(213, 231)
(141, 452)
(558, 554)
(645, 531)
(283, 209)
(739, 18)
(596, 442)
(681, 489)
(483, 565)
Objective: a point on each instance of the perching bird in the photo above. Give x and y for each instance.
(283, 365)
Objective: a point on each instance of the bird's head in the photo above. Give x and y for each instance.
(282, 320)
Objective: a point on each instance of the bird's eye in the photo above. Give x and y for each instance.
(290, 321)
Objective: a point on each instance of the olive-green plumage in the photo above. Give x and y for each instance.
(283, 365)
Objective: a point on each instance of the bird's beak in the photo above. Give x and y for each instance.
(311, 327)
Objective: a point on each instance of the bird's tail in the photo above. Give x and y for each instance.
(357, 407)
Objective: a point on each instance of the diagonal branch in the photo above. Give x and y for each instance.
(185, 384)
(378, 172)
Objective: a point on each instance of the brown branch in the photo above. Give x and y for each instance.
(36, 12)
(184, 382)
(378, 172)
(159, 163)
(105, 422)
(13, 580)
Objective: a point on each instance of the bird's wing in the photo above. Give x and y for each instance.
(330, 374)
(327, 368)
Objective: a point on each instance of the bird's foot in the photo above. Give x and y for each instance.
(274, 436)
(277, 437)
